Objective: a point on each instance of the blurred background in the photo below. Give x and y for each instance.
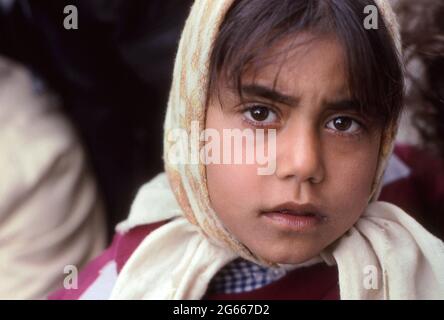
(81, 116)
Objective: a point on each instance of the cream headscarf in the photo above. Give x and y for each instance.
(177, 260)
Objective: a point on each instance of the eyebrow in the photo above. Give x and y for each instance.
(270, 94)
(344, 105)
(255, 90)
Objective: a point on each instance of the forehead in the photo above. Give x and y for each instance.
(304, 63)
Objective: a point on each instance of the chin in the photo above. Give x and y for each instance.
(286, 256)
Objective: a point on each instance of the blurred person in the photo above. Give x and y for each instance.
(51, 215)
(112, 74)
(415, 176)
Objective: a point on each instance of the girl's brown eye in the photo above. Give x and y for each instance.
(260, 115)
(344, 124)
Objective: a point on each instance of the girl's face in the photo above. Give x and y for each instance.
(326, 155)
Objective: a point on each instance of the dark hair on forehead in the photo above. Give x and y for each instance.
(252, 27)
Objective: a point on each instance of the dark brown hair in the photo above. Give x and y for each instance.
(422, 27)
(373, 66)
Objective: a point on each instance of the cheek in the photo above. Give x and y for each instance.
(351, 176)
(232, 189)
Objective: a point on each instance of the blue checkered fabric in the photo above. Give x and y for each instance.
(241, 275)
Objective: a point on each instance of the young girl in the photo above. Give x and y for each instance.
(327, 89)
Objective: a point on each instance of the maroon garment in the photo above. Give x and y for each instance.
(319, 282)
(421, 194)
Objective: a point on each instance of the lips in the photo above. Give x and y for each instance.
(292, 208)
(293, 216)
(295, 213)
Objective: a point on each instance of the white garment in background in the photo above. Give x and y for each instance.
(50, 212)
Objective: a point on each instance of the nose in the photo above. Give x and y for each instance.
(299, 155)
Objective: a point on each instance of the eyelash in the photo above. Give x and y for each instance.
(340, 133)
(335, 132)
(256, 123)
